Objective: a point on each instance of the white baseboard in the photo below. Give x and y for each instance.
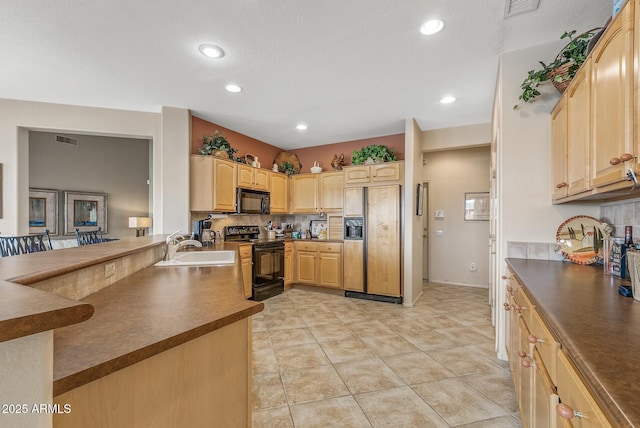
(444, 282)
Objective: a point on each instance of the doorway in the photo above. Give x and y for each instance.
(425, 232)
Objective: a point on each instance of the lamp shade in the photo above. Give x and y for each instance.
(139, 222)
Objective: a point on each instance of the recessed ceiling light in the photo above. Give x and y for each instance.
(233, 88)
(447, 100)
(431, 27)
(301, 127)
(211, 51)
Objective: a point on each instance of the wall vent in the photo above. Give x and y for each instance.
(66, 140)
(516, 7)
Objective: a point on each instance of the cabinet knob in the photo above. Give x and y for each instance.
(532, 339)
(509, 288)
(626, 156)
(518, 308)
(566, 412)
(561, 185)
(522, 354)
(507, 307)
(526, 363)
(615, 161)
(504, 277)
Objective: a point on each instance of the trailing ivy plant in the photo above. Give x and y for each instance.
(574, 53)
(377, 153)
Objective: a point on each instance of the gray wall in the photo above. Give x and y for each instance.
(118, 167)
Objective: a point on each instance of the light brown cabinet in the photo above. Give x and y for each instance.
(319, 263)
(353, 203)
(246, 260)
(253, 178)
(312, 193)
(548, 388)
(212, 184)
(385, 172)
(611, 99)
(559, 149)
(288, 263)
(578, 135)
(279, 193)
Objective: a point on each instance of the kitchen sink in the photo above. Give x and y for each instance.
(201, 258)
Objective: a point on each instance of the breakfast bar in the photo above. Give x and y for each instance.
(156, 346)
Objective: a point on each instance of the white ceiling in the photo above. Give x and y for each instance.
(349, 69)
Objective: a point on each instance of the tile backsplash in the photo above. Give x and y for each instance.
(533, 250)
(299, 221)
(621, 214)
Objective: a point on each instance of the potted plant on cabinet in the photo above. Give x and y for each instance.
(373, 154)
(218, 146)
(563, 68)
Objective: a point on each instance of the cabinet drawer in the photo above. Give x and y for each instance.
(546, 344)
(306, 246)
(326, 247)
(573, 393)
(522, 302)
(245, 251)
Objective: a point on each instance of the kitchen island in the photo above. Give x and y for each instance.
(598, 329)
(166, 346)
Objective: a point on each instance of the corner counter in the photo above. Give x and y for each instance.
(158, 347)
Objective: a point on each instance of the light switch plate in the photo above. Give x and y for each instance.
(439, 214)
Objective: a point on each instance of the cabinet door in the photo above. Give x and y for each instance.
(201, 179)
(288, 263)
(279, 193)
(353, 201)
(306, 263)
(526, 376)
(385, 172)
(383, 235)
(578, 133)
(304, 193)
(225, 186)
(330, 269)
(612, 89)
(559, 149)
(354, 265)
(246, 260)
(261, 179)
(357, 174)
(543, 413)
(331, 187)
(246, 177)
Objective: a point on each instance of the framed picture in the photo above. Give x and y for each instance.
(419, 199)
(43, 211)
(476, 206)
(84, 211)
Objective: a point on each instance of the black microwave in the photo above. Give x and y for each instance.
(252, 202)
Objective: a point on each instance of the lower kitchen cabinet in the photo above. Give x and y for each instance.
(549, 390)
(246, 259)
(318, 263)
(354, 265)
(288, 263)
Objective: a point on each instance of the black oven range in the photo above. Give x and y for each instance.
(268, 260)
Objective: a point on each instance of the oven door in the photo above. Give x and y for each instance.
(268, 265)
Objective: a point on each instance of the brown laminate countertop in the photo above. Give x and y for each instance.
(145, 314)
(598, 328)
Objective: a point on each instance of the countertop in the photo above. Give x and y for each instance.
(598, 328)
(133, 319)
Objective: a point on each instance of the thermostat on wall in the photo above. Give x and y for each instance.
(439, 214)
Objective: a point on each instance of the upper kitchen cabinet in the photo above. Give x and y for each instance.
(279, 193)
(559, 149)
(367, 175)
(212, 185)
(330, 190)
(578, 135)
(612, 101)
(253, 178)
(312, 193)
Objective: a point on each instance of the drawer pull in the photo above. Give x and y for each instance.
(504, 277)
(522, 354)
(507, 307)
(509, 288)
(566, 412)
(518, 308)
(532, 339)
(526, 363)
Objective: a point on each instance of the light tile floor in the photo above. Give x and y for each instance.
(323, 360)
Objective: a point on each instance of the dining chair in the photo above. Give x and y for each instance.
(25, 244)
(89, 237)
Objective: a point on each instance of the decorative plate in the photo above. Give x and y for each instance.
(580, 239)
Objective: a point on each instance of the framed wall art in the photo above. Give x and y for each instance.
(84, 211)
(476, 206)
(43, 211)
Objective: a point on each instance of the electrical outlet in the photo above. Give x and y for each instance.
(109, 269)
(473, 267)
